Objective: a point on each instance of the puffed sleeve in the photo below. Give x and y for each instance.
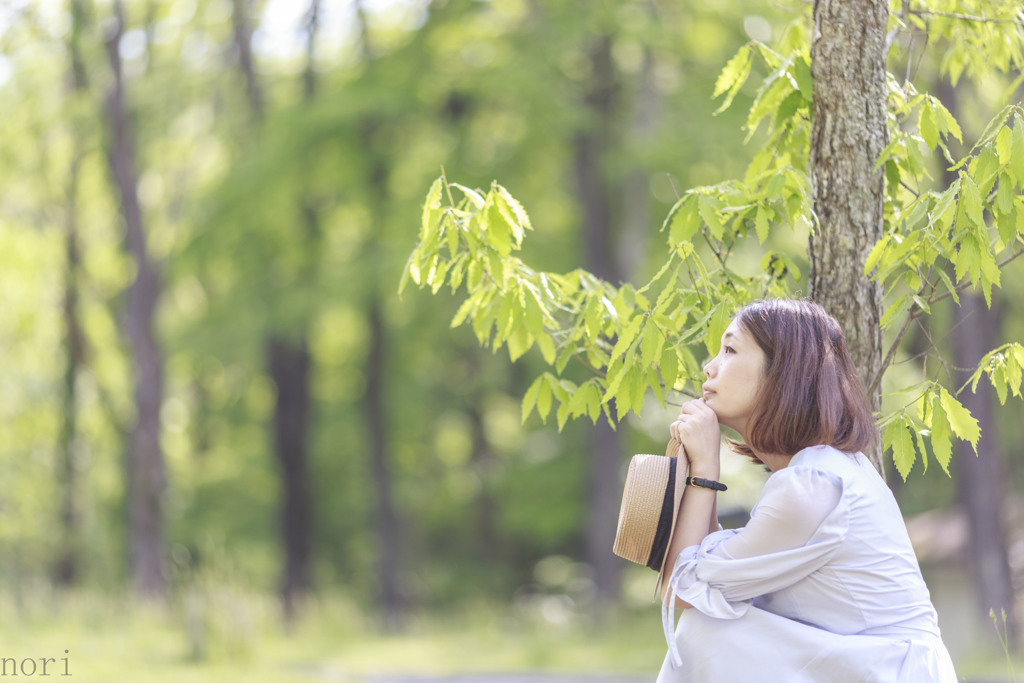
(797, 525)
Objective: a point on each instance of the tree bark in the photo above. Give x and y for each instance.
(595, 197)
(979, 478)
(67, 567)
(288, 358)
(385, 514)
(242, 32)
(145, 460)
(289, 364)
(848, 132)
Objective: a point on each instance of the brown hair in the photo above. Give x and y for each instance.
(811, 393)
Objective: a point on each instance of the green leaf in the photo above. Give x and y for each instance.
(897, 308)
(900, 441)
(544, 397)
(968, 259)
(761, 224)
(733, 76)
(949, 285)
(547, 348)
(716, 328)
(1004, 140)
(941, 214)
(683, 221)
(928, 127)
(942, 444)
(801, 74)
(497, 227)
(970, 203)
(919, 440)
(468, 306)
(431, 209)
(708, 207)
(650, 343)
(472, 196)
(669, 367)
(627, 336)
(998, 379)
(986, 168)
(517, 214)
(963, 425)
(1013, 373)
(637, 389)
(593, 317)
(1004, 195)
(1017, 150)
(875, 254)
(530, 399)
(947, 122)
(519, 342)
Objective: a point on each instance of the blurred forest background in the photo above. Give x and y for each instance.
(215, 404)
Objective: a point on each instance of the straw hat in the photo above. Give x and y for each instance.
(650, 506)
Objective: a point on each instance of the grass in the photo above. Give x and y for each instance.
(229, 635)
(225, 634)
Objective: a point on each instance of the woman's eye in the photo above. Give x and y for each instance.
(729, 349)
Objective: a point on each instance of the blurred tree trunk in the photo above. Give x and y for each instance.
(979, 478)
(385, 513)
(636, 213)
(848, 132)
(242, 34)
(292, 369)
(145, 461)
(483, 461)
(288, 364)
(288, 357)
(67, 567)
(388, 526)
(595, 196)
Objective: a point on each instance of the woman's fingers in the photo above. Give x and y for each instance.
(696, 428)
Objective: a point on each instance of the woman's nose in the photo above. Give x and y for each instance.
(707, 369)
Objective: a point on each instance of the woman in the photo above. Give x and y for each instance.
(822, 583)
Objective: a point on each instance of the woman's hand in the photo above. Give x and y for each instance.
(697, 429)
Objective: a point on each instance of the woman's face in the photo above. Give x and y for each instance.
(734, 378)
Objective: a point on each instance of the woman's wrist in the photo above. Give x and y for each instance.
(705, 472)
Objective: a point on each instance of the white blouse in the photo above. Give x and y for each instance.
(822, 584)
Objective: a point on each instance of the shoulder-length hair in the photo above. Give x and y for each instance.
(811, 393)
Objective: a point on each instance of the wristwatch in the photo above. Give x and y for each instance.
(706, 483)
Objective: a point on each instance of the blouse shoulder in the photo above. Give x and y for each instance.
(804, 494)
(804, 477)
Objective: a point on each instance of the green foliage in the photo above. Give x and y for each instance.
(939, 238)
(627, 339)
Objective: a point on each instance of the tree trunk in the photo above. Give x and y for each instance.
(848, 132)
(288, 359)
(636, 203)
(979, 478)
(67, 567)
(385, 514)
(594, 191)
(145, 461)
(483, 461)
(243, 46)
(289, 364)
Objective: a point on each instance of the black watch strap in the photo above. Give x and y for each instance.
(706, 483)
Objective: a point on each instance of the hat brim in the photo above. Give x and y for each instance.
(677, 499)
